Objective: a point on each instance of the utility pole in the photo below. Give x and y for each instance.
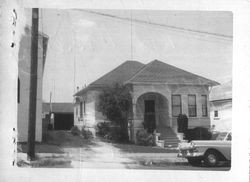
(33, 85)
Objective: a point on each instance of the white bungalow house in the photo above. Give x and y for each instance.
(221, 107)
(24, 84)
(160, 92)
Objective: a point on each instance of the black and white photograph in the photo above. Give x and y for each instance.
(115, 91)
(126, 89)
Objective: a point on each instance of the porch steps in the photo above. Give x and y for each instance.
(169, 136)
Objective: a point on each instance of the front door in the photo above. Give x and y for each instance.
(149, 115)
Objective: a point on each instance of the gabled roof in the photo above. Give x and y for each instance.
(157, 71)
(153, 72)
(120, 74)
(58, 107)
(221, 92)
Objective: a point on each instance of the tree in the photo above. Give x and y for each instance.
(114, 104)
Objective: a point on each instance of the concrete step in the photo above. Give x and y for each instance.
(169, 136)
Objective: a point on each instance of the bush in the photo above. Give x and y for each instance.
(86, 133)
(103, 128)
(145, 138)
(111, 132)
(198, 133)
(182, 122)
(75, 131)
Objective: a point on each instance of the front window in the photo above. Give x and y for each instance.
(216, 114)
(81, 109)
(176, 105)
(192, 106)
(204, 105)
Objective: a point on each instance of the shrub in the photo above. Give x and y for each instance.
(144, 138)
(112, 132)
(86, 133)
(103, 128)
(182, 122)
(198, 133)
(75, 131)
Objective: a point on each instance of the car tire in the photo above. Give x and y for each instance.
(194, 161)
(211, 158)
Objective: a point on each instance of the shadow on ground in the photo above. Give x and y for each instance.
(56, 141)
(132, 148)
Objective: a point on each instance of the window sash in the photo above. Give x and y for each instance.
(204, 105)
(176, 105)
(192, 111)
(176, 110)
(81, 109)
(204, 110)
(216, 114)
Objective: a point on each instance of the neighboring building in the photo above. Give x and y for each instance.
(160, 92)
(221, 107)
(63, 115)
(24, 84)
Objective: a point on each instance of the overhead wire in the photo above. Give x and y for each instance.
(170, 27)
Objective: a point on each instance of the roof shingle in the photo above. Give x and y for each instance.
(157, 71)
(153, 72)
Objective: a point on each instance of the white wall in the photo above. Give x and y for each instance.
(224, 120)
(89, 117)
(183, 90)
(24, 76)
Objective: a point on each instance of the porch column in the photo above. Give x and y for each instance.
(133, 137)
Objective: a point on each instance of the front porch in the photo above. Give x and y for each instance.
(152, 111)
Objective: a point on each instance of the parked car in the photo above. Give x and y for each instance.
(211, 152)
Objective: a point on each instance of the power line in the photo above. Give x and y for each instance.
(162, 25)
(131, 35)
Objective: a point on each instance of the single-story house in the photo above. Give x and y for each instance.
(159, 91)
(63, 115)
(24, 61)
(221, 107)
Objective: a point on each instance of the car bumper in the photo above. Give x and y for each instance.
(190, 154)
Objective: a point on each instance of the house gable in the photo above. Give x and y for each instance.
(159, 72)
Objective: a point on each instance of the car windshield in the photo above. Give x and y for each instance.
(222, 136)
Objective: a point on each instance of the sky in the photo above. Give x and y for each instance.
(86, 44)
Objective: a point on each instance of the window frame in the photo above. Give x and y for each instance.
(216, 113)
(180, 105)
(206, 106)
(81, 111)
(195, 106)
